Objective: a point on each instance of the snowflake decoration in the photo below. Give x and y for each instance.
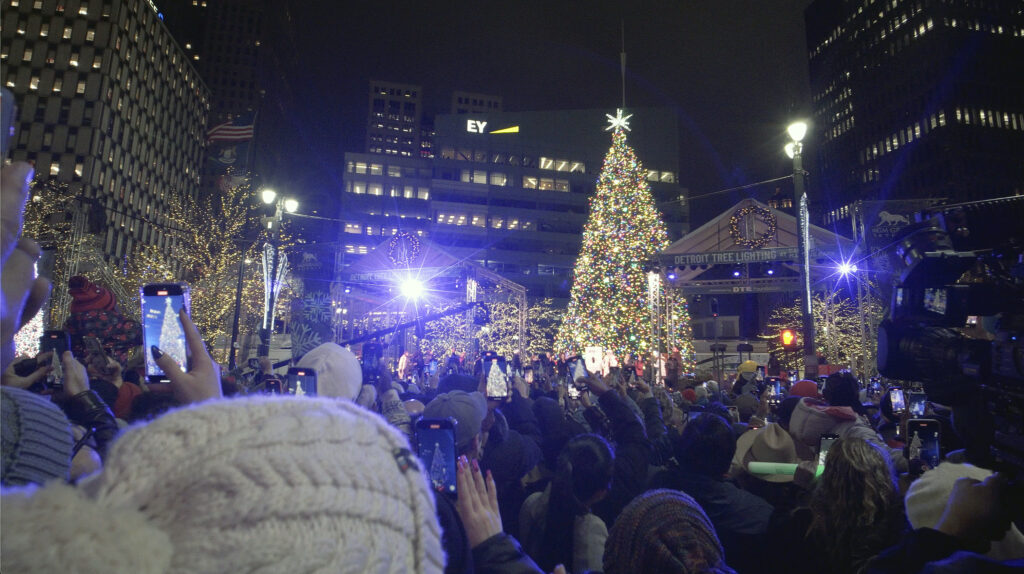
(304, 339)
(316, 307)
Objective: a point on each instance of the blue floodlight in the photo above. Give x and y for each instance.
(845, 268)
(736, 273)
(770, 272)
(411, 289)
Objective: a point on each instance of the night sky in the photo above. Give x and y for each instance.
(735, 71)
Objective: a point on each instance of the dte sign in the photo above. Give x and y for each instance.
(475, 127)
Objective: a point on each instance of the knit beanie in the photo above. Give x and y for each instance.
(87, 296)
(663, 531)
(35, 438)
(255, 484)
(805, 388)
(927, 497)
(338, 372)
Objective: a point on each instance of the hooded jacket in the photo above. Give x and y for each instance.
(813, 418)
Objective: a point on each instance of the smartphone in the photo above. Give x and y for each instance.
(576, 368)
(761, 373)
(273, 386)
(916, 404)
(528, 375)
(10, 112)
(825, 443)
(899, 404)
(573, 391)
(436, 440)
(497, 376)
(923, 441)
(56, 341)
(301, 381)
(161, 326)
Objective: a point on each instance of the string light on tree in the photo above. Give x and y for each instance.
(609, 303)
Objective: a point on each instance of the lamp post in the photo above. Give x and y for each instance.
(272, 283)
(794, 149)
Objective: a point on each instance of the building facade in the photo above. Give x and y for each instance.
(475, 103)
(507, 190)
(916, 99)
(393, 126)
(109, 103)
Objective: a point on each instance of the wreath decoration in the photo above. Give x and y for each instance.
(758, 241)
(399, 256)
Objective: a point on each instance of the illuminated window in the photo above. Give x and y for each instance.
(513, 224)
(577, 167)
(499, 179)
(353, 228)
(67, 32)
(81, 87)
(423, 193)
(375, 189)
(33, 84)
(497, 222)
(90, 35)
(668, 177)
(78, 169)
(652, 175)
(408, 192)
(394, 171)
(561, 185)
(58, 83)
(54, 169)
(376, 169)
(479, 176)
(360, 167)
(44, 29)
(74, 60)
(530, 182)
(546, 163)
(28, 55)
(359, 187)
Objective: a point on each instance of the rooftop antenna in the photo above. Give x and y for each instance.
(622, 62)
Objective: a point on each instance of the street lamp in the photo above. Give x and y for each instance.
(794, 149)
(273, 266)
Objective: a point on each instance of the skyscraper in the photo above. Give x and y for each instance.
(394, 123)
(109, 103)
(916, 99)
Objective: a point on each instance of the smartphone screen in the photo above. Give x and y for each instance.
(576, 369)
(734, 413)
(162, 327)
(824, 444)
(528, 375)
(916, 404)
(436, 439)
(301, 382)
(760, 373)
(923, 441)
(899, 404)
(273, 386)
(56, 341)
(497, 376)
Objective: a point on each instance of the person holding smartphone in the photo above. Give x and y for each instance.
(202, 380)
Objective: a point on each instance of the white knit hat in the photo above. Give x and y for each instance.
(338, 372)
(927, 497)
(264, 483)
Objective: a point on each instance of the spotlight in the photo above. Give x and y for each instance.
(672, 276)
(348, 289)
(770, 272)
(736, 273)
(845, 268)
(411, 288)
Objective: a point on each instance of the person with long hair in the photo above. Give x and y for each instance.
(557, 525)
(856, 510)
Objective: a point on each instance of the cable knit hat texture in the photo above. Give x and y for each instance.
(36, 439)
(338, 372)
(260, 484)
(664, 531)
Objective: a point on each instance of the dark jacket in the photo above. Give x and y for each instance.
(454, 541)
(510, 456)
(632, 457)
(501, 554)
(928, 550)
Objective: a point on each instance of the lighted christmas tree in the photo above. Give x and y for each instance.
(610, 303)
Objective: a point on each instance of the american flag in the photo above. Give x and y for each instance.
(239, 129)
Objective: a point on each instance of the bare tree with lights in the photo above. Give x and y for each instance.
(611, 298)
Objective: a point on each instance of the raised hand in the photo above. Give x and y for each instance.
(202, 381)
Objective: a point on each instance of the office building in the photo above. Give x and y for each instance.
(474, 103)
(109, 103)
(393, 126)
(915, 99)
(507, 190)
(224, 40)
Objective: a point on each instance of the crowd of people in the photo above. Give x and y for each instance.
(565, 472)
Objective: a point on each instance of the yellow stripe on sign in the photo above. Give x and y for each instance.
(511, 130)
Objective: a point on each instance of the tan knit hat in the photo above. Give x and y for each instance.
(268, 484)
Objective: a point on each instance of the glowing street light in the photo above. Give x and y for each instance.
(290, 205)
(845, 268)
(268, 196)
(794, 149)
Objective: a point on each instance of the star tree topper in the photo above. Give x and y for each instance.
(618, 122)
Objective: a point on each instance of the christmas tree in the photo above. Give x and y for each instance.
(610, 302)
